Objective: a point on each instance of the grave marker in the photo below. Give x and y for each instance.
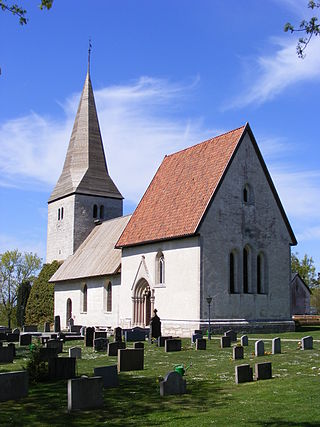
(75, 352)
(259, 348)
(232, 334)
(276, 346)
(244, 340)
(173, 383)
(243, 374)
(307, 343)
(225, 342)
(109, 375)
(13, 385)
(238, 352)
(172, 345)
(201, 344)
(130, 359)
(62, 368)
(263, 371)
(85, 393)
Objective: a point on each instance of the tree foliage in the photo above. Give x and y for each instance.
(309, 28)
(22, 299)
(40, 304)
(306, 269)
(20, 12)
(14, 269)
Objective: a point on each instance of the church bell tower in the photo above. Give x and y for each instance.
(85, 192)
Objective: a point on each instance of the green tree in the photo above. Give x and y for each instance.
(22, 299)
(306, 269)
(308, 28)
(14, 269)
(41, 300)
(315, 299)
(21, 13)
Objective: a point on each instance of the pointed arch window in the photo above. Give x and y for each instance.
(231, 273)
(84, 298)
(261, 274)
(247, 194)
(107, 296)
(245, 270)
(62, 213)
(95, 211)
(59, 214)
(101, 212)
(160, 268)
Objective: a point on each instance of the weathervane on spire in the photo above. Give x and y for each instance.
(89, 53)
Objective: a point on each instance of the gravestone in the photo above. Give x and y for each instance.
(138, 345)
(130, 359)
(243, 374)
(244, 341)
(85, 393)
(47, 353)
(54, 336)
(58, 344)
(89, 337)
(276, 346)
(100, 344)
(259, 348)
(307, 343)
(225, 342)
(16, 331)
(44, 340)
(113, 348)
(62, 368)
(172, 345)
(232, 335)
(173, 383)
(198, 331)
(75, 352)
(61, 336)
(12, 347)
(263, 371)
(57, 327)
(118, 334)
(162, 340)
(201, 344)
(194, 337)
(6, 355)
(135, 334)
(13, 385)
(75, 329)
(30, 328)
(100, 334)
(25, 339)
(155, 325)
(83, 330)
(238, 352)
(109, 375)
(11, 337)
(46, 327)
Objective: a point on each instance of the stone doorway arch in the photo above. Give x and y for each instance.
(143, 303)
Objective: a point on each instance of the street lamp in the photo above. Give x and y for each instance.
(209, 299)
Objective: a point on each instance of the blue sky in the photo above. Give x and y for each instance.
(166, 75)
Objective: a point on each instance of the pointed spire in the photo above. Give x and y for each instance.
(89, 55)
(85, 168)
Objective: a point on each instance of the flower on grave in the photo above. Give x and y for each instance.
(299, 345)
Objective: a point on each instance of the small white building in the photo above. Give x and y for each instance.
(210, 224)
(300, 295)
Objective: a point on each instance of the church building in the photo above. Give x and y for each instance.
(210, 225)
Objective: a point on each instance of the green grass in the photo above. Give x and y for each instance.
(291, 398)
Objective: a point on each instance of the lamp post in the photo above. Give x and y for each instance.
(209, 299)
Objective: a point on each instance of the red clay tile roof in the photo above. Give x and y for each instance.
(177, 197)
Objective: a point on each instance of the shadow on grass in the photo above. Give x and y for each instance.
(306, 328)
(276, 422)
(136, 402)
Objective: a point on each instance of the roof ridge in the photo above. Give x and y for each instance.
(206, 140)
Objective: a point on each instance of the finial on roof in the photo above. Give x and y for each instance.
(89, 54)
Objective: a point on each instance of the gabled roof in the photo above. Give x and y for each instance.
(85, 169)
(97, 255)
(296, 276)
(182, 189)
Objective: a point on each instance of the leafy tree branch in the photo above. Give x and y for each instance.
(21, 13)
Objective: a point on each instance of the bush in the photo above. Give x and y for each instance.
(40, 306)
(37, 369)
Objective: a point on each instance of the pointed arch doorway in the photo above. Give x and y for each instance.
(143, 303)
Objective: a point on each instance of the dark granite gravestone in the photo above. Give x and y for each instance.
(155, 325)
(307, 343)
(173, 383)
(130, 360)
(12, 346)
(100, 344)
(225, 342)
(109, 375)
(237, 352)
(276, 346)
(85, 393)
(25, 339)
(162, 340)
(118, 334)
(244, 341)
(100, 334)
(11, 337)
(58, 344)
(46, 327)
(75, 329)
(135, 334)
(83, 330)
(13, 385)
(16, 331)
(263, 371)
(201, 344)
(259, 348)
(194, 337)
(172, 345)
(89, 337)
(47, 353)
(6, 355)
(113, 348)
(57, 327)
(75, 352)
(62, 368)
(198, 331)
(232, 335)
(138, 345)
(243, 374)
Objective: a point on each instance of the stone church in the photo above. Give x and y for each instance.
(210, 224)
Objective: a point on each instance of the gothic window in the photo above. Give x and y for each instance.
(160, 268)
(245, 270)
(59, 214)
(261, 274)
(247, 194)
(232, 273)
(101, 212)
(84, 298)
(95, 211)
(109, 297)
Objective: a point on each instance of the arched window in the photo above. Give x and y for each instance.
(101, 212)
(261, 274)
(84, 298)
(95, 211)
(247, 194)
(61, 213)
(232, 273)
(109, 297)
(245, 270)
(160, 268)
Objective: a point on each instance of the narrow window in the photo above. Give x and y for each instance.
(245, 271)
(245, 195)
(95, 211)
(161, 269)
(259, 275)
(59, 214)
(85, 299)
(109, 297)
(101, 212)
(231, 273)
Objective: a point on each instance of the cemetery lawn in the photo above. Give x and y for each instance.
(290, 398)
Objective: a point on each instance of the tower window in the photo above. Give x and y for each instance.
(101, 212)
(95, 211)
(245, 271)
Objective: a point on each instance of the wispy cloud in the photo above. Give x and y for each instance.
(270, 75)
